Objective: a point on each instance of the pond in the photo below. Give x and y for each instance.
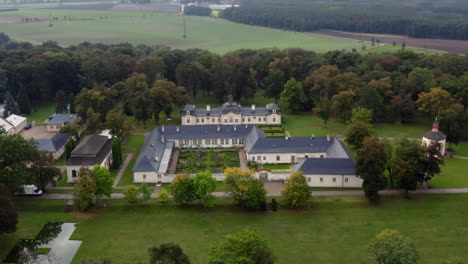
(51, 245)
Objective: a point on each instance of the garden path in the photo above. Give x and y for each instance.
(243, 160)
(175, 157)
(123, 168)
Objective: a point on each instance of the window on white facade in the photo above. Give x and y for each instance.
(214, 141)
(236, 120)
(345, 179)
(74, 173)
(221, 141)
(321, 156)
(234, 141)
(198, 120)
(274, 119)
(207, 141)
(186, 141)
(264, 119)
(188, 121)
(58, 127)
(309, 179)
(212, 120)
(144, 176)
(225, 120)
(248, 119)
(159, 176)
(259, 158)
(277, 158)
(199, 142)
(321, 179)
(203, 120)
(226, 141)
(334, 179)
(243, 119)
(241, 141)
(253, 158)
(264, 157)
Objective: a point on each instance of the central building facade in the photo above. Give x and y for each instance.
(231, 113)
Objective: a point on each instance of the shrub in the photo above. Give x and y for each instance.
(163, 196)
(131, 194)
(274, 205)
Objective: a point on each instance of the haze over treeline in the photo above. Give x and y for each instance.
(419, 19)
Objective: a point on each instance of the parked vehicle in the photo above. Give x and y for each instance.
(28, 126)
(29, 190)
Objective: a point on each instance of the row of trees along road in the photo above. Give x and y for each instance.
(102, 82)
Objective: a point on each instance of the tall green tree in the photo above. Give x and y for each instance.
(343, 105)
(61, 100)
(408, 164)
(84, 190)
(8, 214)
(16, 153)
(42, 169)
(356, 133)
(324, 109)
(296, 192)
(370, 167)
(245, 189)
(104, 182)
(274, 84)
(118, 123)
(205, 185)
(391, 247)
(116, 153)
(168, 253)
(246, 246)
(24, 102)
(183, 189)
(293, 96)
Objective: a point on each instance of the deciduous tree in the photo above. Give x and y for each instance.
(391, 247)
(370, 167)
(183, 189)
(168, 253)
(296, 192)
(293, 96)
(246, 246)
(85, 188)
(104, 181)
(245, 189)
(356, 133)
(8, 214)
(205, 185)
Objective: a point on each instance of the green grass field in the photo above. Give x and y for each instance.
(41, 112)
(213, 34)
(133, 144)
(454, 175)
(334, 230)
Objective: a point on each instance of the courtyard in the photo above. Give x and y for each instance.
(215, 161)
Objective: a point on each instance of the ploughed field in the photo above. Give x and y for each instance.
(333, 230)
(456, 46)
(217, 35)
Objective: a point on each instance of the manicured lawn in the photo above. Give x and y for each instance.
(217, 35)
(460, 149)
(40, 113)
(454, 175)
(334, 230)
(63, 181)
(133, 144)
(276, 166)
(62, 161)
(213, 161)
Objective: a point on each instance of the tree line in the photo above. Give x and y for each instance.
(383, 17)
(145, 81)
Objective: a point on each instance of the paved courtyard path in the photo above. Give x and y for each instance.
(243, 160)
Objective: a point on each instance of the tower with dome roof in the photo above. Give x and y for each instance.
(434, 136)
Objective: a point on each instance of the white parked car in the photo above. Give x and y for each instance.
(30, 190)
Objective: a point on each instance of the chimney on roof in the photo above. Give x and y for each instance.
(328, 137)
(162, 138)
(253, 108)
(162, 128)
(246, 125)
(208, 108)
(235, 128)
(177, 128)
(156, 156)
(219, 128)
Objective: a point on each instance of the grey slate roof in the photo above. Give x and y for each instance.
(437, 135)
(206, 131)
(92, 150)
(330, 166)
(152, 147)
(231, 107)
(52, 144)
(334, 148)
(61, 119)
(90, 146)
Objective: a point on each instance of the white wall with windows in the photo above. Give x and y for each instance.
(283, 158)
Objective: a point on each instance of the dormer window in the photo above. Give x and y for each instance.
(188, 112)
(274, 111)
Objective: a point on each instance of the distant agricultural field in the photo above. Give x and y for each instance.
(216, 35)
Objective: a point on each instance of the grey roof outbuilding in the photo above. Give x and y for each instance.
(327, 166)
(52, 144)
(92, 150)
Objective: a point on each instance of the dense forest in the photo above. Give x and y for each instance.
(419, 19)
(148, 80)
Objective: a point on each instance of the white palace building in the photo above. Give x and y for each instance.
(231, 113)
(325, 161)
